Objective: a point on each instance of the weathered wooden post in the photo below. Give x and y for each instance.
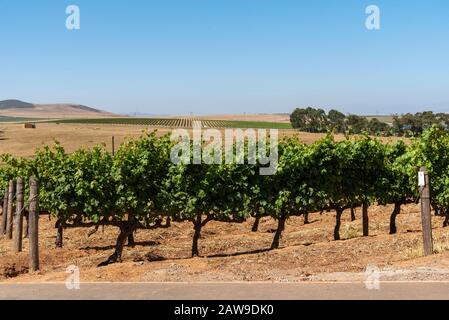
(19, 217)
(26, 214)
(113, 146)
(4, 213)
(365, 219)
(424, 186)
(33, 221)
(10, 217)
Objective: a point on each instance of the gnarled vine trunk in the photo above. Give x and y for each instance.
(306, 218)
(59, 235)
(197, 226)
(125, 231)
(131, 241)
(338, 224)
(168, 221)
(437, 211)
(396, 211)
(446, 219)
(353, 217)
(256, 224)
(278, 234)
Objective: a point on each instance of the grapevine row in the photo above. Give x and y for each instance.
(140, 188)
(177, 123)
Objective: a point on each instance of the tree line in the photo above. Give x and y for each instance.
(407, 125)
(140, 188)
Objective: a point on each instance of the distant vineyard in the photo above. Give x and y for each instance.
(15, 119)
(179, 123)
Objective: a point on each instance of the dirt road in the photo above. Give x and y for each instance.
(228, 291)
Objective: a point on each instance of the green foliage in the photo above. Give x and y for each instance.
(140, 183)
(432, 151)
(221, 190)
(138, 171)
(316, 120)
(413, 125)
(75, 186)
(399, 179)
(309, 119)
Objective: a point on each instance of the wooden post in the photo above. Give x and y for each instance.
(10, 217)
(19, 217)
(33, 221)
(113, 146)
(25, 236)
(4, 213)
(424, 186)
(365, 219)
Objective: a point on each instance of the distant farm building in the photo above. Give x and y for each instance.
(30, 126)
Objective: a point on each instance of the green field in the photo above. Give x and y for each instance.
(4, 119)
(178, 123)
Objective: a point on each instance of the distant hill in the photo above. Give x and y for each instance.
(14, 104)
(17, 108)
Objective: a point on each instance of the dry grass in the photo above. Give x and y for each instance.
(350, 232)
(440, 245)
(23, 142)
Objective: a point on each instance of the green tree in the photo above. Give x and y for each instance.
(337, 120)
(356, 124)
(309, 119)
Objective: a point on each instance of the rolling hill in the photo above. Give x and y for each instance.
(17, 108)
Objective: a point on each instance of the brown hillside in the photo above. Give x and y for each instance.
(16, 108)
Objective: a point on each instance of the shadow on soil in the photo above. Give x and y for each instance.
(112, 247)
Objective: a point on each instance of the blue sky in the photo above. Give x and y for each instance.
(227, 56)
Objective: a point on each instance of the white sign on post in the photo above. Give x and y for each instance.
(421, 179)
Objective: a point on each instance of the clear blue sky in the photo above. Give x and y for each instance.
(227, 56)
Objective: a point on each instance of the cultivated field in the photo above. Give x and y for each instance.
(18, 141)
(177, 123)
(23, 142)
